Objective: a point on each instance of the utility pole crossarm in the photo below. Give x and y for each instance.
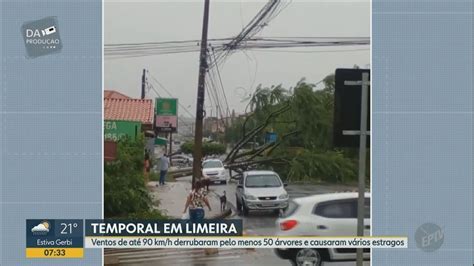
(356, 83)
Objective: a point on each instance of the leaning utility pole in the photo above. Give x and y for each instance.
(143, 83)
(200, 98)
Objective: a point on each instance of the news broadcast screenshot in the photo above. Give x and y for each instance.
(236, 132)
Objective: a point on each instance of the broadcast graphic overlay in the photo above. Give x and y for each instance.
(422, 142)
(213, 234)
(54, 238)
(50, 130)
(42, 37)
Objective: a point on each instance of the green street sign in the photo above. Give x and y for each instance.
(115, 130)
(166, 106)
(161, 141)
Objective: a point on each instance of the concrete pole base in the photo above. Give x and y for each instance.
(211, 251)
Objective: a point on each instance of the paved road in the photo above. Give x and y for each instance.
(196, 257)
(258, 223)
(149, 257)
(261, 223)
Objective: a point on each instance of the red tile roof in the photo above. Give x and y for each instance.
(129, 110)
(115, 95)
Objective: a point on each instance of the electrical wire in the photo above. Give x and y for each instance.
(221, 85)
(138, 50)
(149, 85)
(169, 93)
(311, 51)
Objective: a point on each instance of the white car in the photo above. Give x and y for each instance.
(332, 214)
(214, 170)
(181, 160)
(261, 190)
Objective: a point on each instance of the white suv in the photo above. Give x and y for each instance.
(332, 214)
(261, 190)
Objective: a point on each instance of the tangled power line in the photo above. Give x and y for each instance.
(221, 48)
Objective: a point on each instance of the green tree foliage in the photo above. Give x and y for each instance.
(125, 194)
(208, 148)
(329, 166)
(310, 153)
(234, 132)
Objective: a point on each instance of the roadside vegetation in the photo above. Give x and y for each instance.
(125, 194)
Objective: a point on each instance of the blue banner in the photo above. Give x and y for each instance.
(163, 228)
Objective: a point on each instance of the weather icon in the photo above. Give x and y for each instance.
(41, 229)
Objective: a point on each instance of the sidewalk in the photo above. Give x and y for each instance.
(171, 198)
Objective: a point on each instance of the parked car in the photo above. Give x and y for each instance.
(214, 170)
(261, 190)
(332, 214)
(181, 160)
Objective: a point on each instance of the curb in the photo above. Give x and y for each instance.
(229, 204)
(248, 233)
(111, 260)
(223, 215)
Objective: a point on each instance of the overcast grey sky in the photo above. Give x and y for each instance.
(148, 21)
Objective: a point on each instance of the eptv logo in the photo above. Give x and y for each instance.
(433, 238)
(41, 37)
(429, 237)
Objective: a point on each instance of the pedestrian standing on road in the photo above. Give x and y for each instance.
(164, 165)
(146, 169)
(147, 161)
(195, 201)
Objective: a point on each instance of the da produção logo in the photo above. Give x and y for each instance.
(41, 37)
